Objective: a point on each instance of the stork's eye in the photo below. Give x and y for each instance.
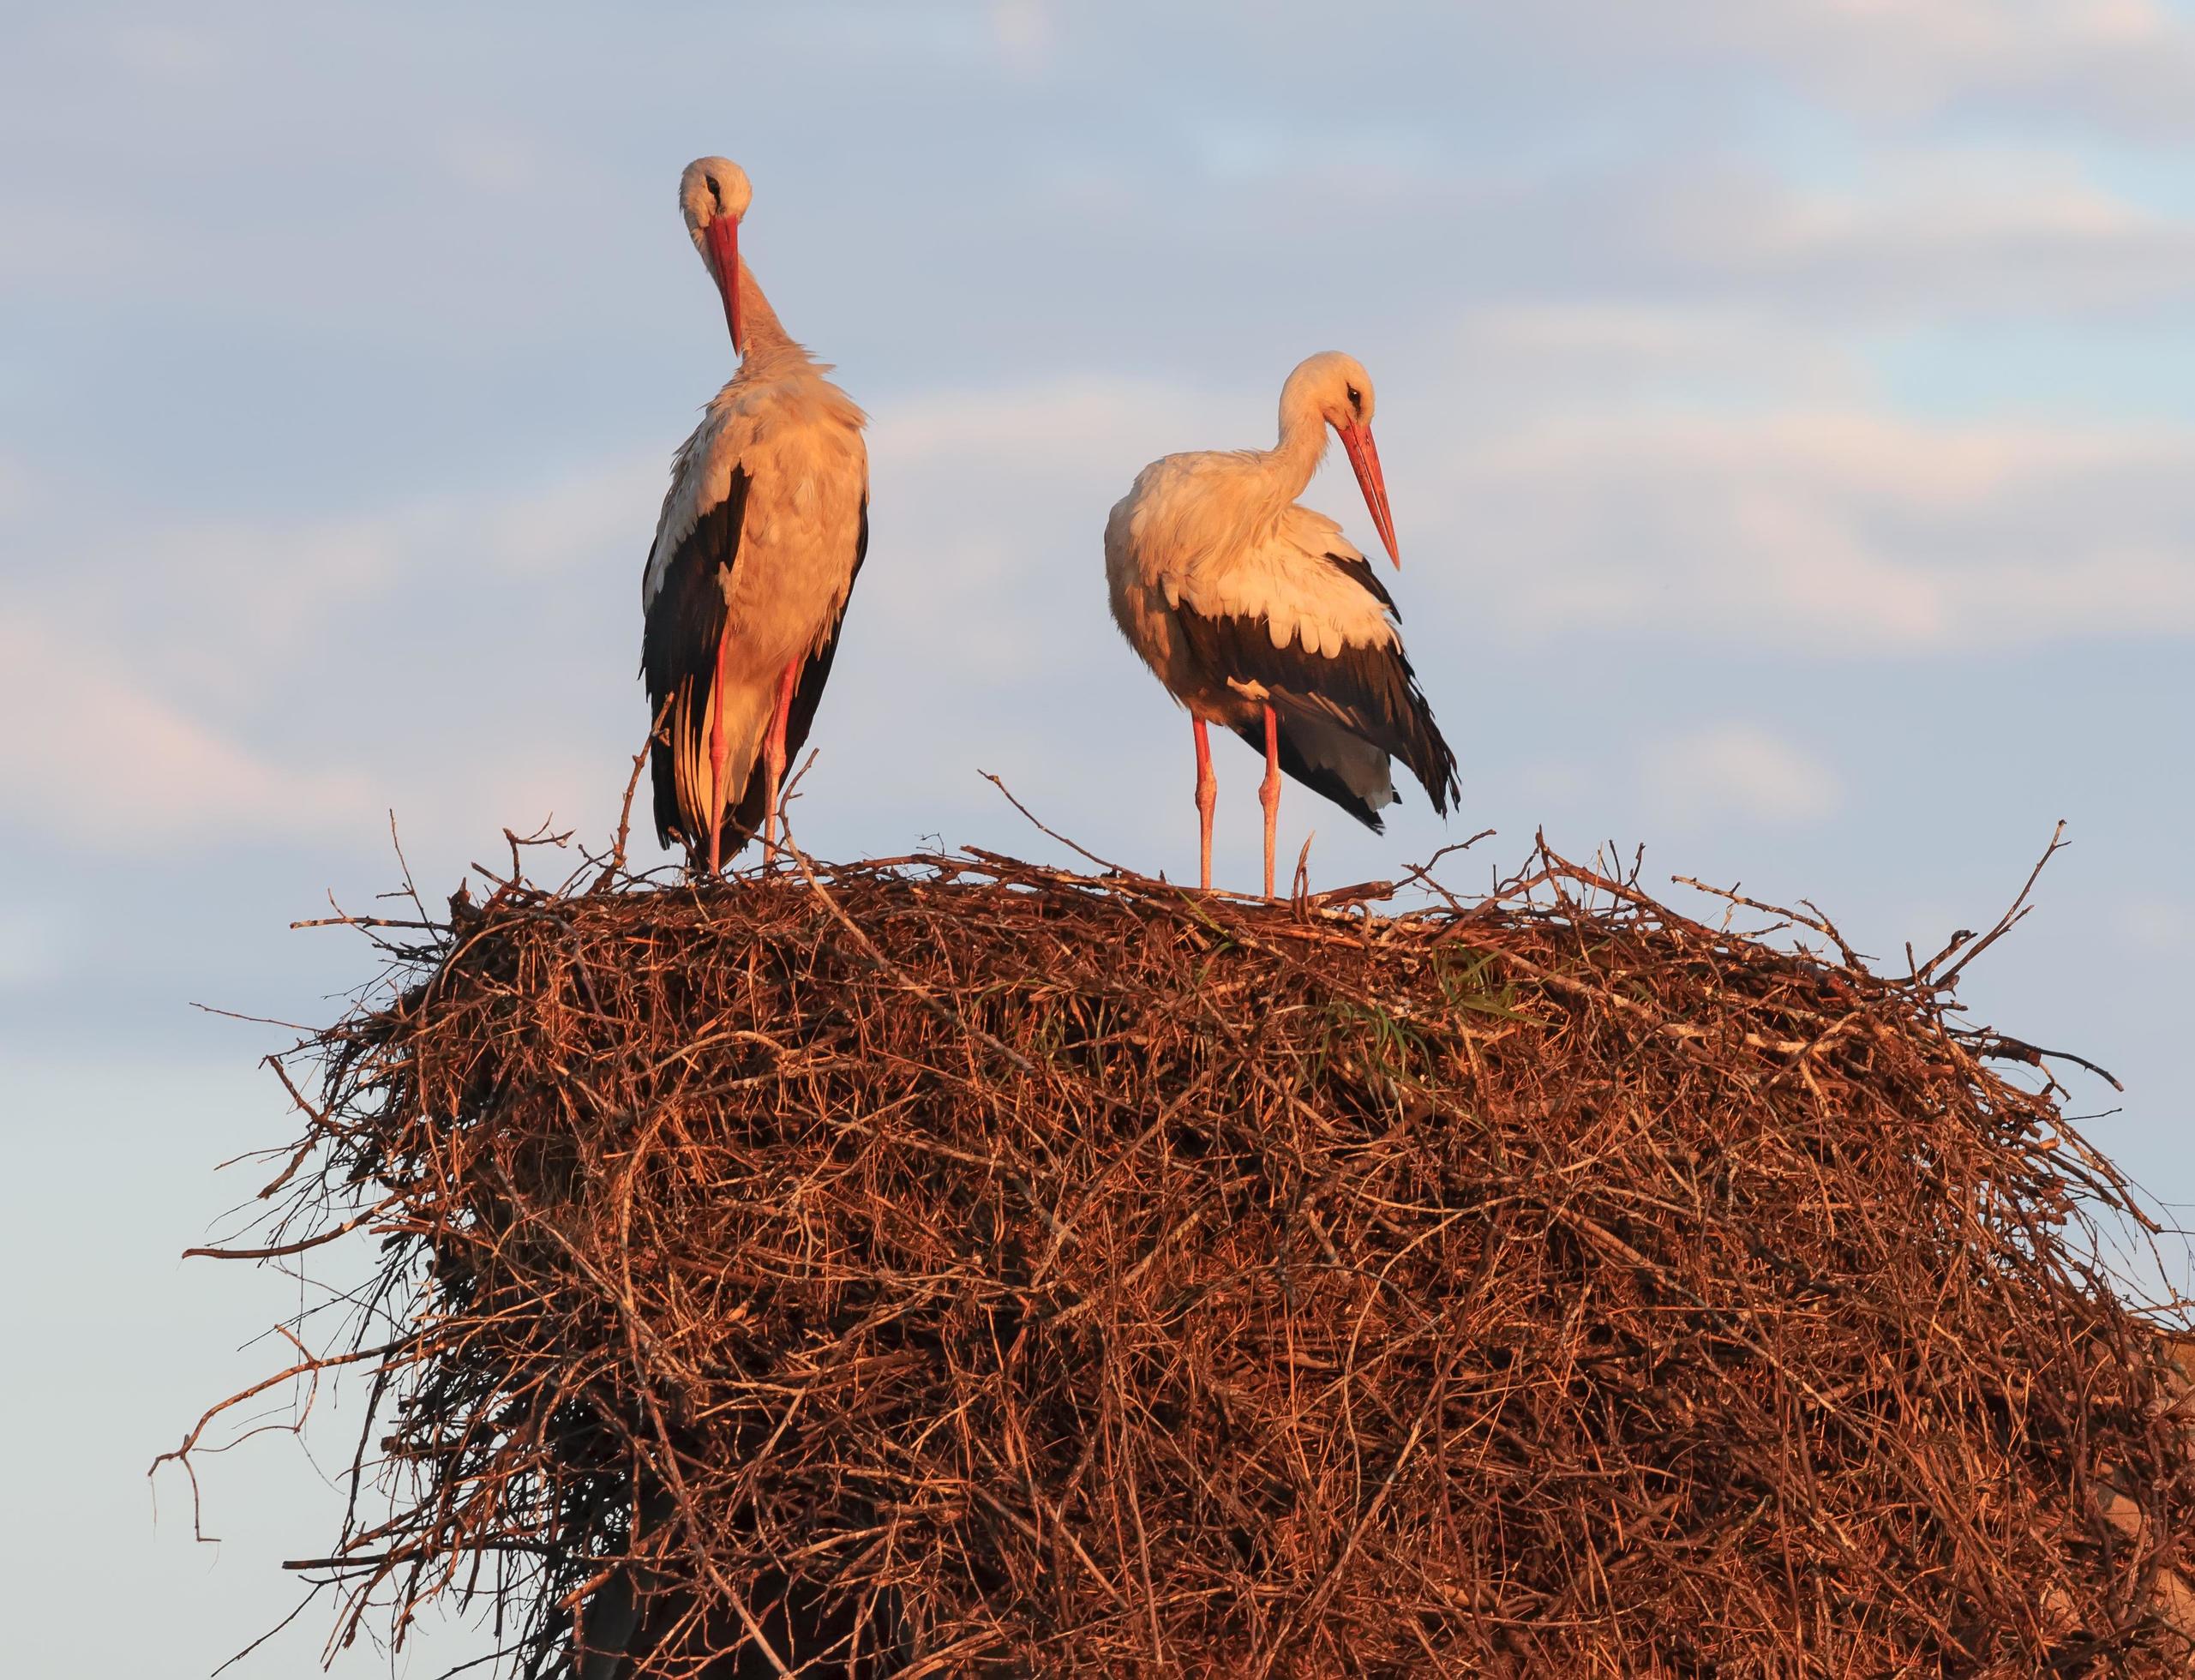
(1356, 399)
(710, 180)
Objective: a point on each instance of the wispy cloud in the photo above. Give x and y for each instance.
(990, 509)
(188, 678)
(2156, 924)
(1737, 770)
(2119, 64)
(1927, 229)
(1836, 532)
(103, 762)
(1027, 32)
(166, 52)
(34, 942)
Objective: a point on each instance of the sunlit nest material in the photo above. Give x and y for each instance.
(952, 1266)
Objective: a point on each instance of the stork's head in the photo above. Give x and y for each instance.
(712, 195)
(1335, 389)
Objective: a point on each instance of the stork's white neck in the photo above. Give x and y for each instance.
(1290, 463)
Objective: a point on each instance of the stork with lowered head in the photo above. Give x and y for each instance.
(1259, 615)
(762, 534)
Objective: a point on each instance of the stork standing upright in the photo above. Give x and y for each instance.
(762, 534)
(1259, 615)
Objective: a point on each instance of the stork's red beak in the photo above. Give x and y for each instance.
(1365, 457)
(724, 246)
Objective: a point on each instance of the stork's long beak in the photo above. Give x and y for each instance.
(724, 246)
(1365, 457)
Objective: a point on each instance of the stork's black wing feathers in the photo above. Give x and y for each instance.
(1317, 778)
(1367, 579)
(1371, 692)
(806, 693)
(678, 652)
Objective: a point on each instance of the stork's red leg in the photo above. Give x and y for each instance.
(774, 757)
(1269, 792)
(1208, 795)
(720, 748)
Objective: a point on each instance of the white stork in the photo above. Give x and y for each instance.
(762, 534)
(1258, 615)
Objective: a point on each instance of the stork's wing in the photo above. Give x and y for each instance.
(1364, 692)
(678, 659)
(806, 693)
(1358, 570)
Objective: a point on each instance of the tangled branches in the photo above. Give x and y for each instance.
(948, 1265)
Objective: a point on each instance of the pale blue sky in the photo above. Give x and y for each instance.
(1789, 407)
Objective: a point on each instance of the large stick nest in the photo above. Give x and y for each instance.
(952, 1266)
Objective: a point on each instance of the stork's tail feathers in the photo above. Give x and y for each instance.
(1427, 751)
(680, 775)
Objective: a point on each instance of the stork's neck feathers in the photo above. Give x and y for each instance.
(768, 346)
(775, 368)
(1289, 465)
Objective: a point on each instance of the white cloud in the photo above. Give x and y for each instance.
(216, 605)
(1740, 770)
(101, 761)
(51, 241)
(34, 942)
(2155, 924)
(2121, 64)
(165, 53)
(1952, 229)
(1063, 422)
(1906, 230)
(218, 636)
(492, 161)
(1836, 531)
(1027, 35)
(1611, 353)
(578, 519)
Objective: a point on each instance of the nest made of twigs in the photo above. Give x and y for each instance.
(954, 1266)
